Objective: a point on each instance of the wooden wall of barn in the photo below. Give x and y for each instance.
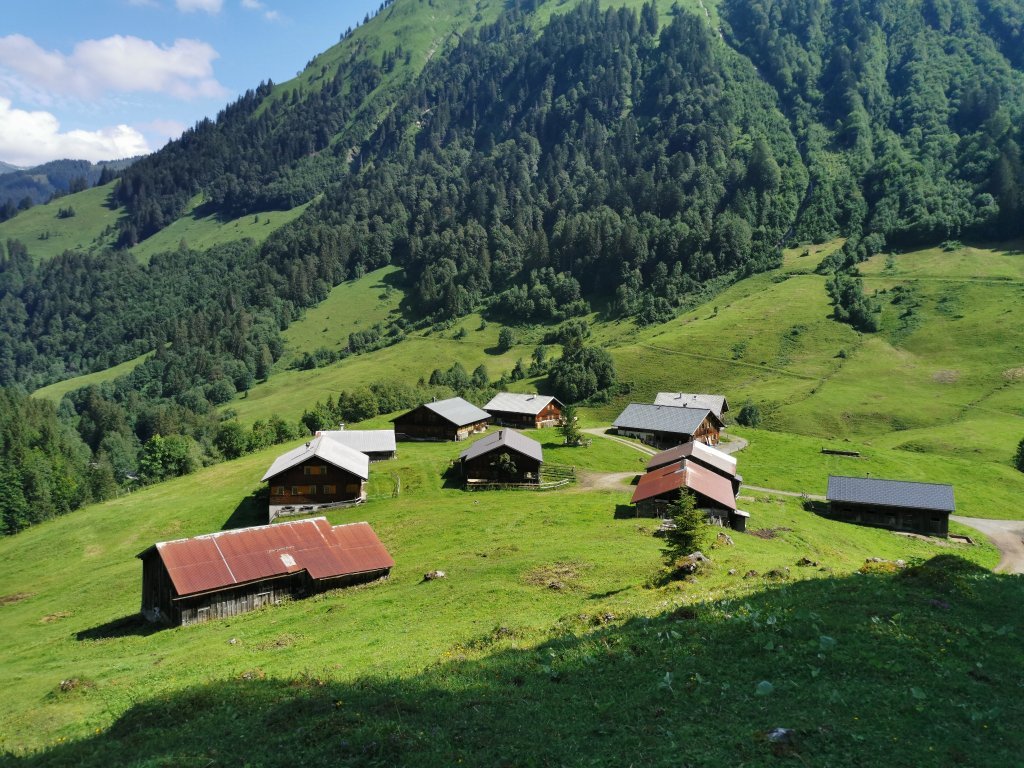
(926, 521)
(240, 599)
(479, 468)
(423, 424)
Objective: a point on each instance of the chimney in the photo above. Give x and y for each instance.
(341, 425)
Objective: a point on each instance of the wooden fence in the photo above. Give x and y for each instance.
(552, 476)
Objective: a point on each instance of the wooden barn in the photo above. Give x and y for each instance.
(711, 458)
(664, 426)
(717, 404)
(230, 572)
(896, 504)
(319, 473)
(451, 419)
(524, 411)
(714, 492)
(377, 444)
(503, 457)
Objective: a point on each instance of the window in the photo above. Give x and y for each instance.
(278, 490)
(314, 470)
(329, 490)
(303, 490)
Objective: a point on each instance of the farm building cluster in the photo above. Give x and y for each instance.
(222, 574)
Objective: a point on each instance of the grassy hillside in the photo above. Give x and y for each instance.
(937, 389)
(202, 232)
(56, 391)
(69, 617)
(45, 235)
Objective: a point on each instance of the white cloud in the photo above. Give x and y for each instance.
(30, 138)
(117, 63)
(162, 131)
(210, 6)
(257, 5)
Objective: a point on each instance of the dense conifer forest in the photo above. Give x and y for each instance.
(609, 159)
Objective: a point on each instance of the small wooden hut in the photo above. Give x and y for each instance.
(503, 457)
(451, 419)
(521, 411)
(230, 572)
(895, 504)
(664, 426)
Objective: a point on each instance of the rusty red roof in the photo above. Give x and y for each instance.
(226, 558)
(685, 474)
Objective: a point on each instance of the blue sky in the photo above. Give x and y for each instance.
(100, 79)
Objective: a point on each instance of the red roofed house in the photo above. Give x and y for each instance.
(222, 574)
(714, 492)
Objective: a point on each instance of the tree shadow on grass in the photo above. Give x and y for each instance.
(831, 659)
(127, 626)
(453, 477)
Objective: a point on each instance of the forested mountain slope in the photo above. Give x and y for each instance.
(532, 162)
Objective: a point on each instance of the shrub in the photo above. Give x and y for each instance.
(749, 415)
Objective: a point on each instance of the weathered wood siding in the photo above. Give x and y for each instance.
(548, 417)
(240, 599)
(423, 424)
(925, 521)
(157, 590)
(315, 482)
(479, 468)
(708, 433)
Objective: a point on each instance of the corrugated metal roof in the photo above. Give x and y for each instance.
(663, 418)
(689, 475)
(712, 457)
(513, 402)
(458, 411)
(363, 440)
(227, 558)
(714, 403)
(322, 447)
(891, 493)
(505, 439)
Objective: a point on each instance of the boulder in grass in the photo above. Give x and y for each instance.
(434, 575)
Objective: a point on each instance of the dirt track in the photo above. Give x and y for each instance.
(1007, 535)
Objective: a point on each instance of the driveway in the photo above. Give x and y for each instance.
(1007, 535)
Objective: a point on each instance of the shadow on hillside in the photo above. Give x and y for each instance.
(252, 510)
(132, 625)
(851, 665)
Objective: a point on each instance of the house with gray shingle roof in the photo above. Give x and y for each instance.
(664, 426)
(717, 404)
(451, 419)
(524, 411)
(321, 472)
(895, 504)
(506, 456)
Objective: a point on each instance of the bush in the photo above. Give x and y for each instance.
(749, 415)
(1018, 460)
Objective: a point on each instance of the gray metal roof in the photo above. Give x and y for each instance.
(662, 418)
(505, 438)
(513, 402)
(891, 493)
(363, 440)
(458, 411)
(714, 403)
(341, 456)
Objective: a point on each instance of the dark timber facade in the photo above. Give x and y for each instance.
(895, 504)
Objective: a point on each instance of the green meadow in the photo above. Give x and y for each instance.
(536, 582)
(554, 618)
(46, 235)
(58, 389)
